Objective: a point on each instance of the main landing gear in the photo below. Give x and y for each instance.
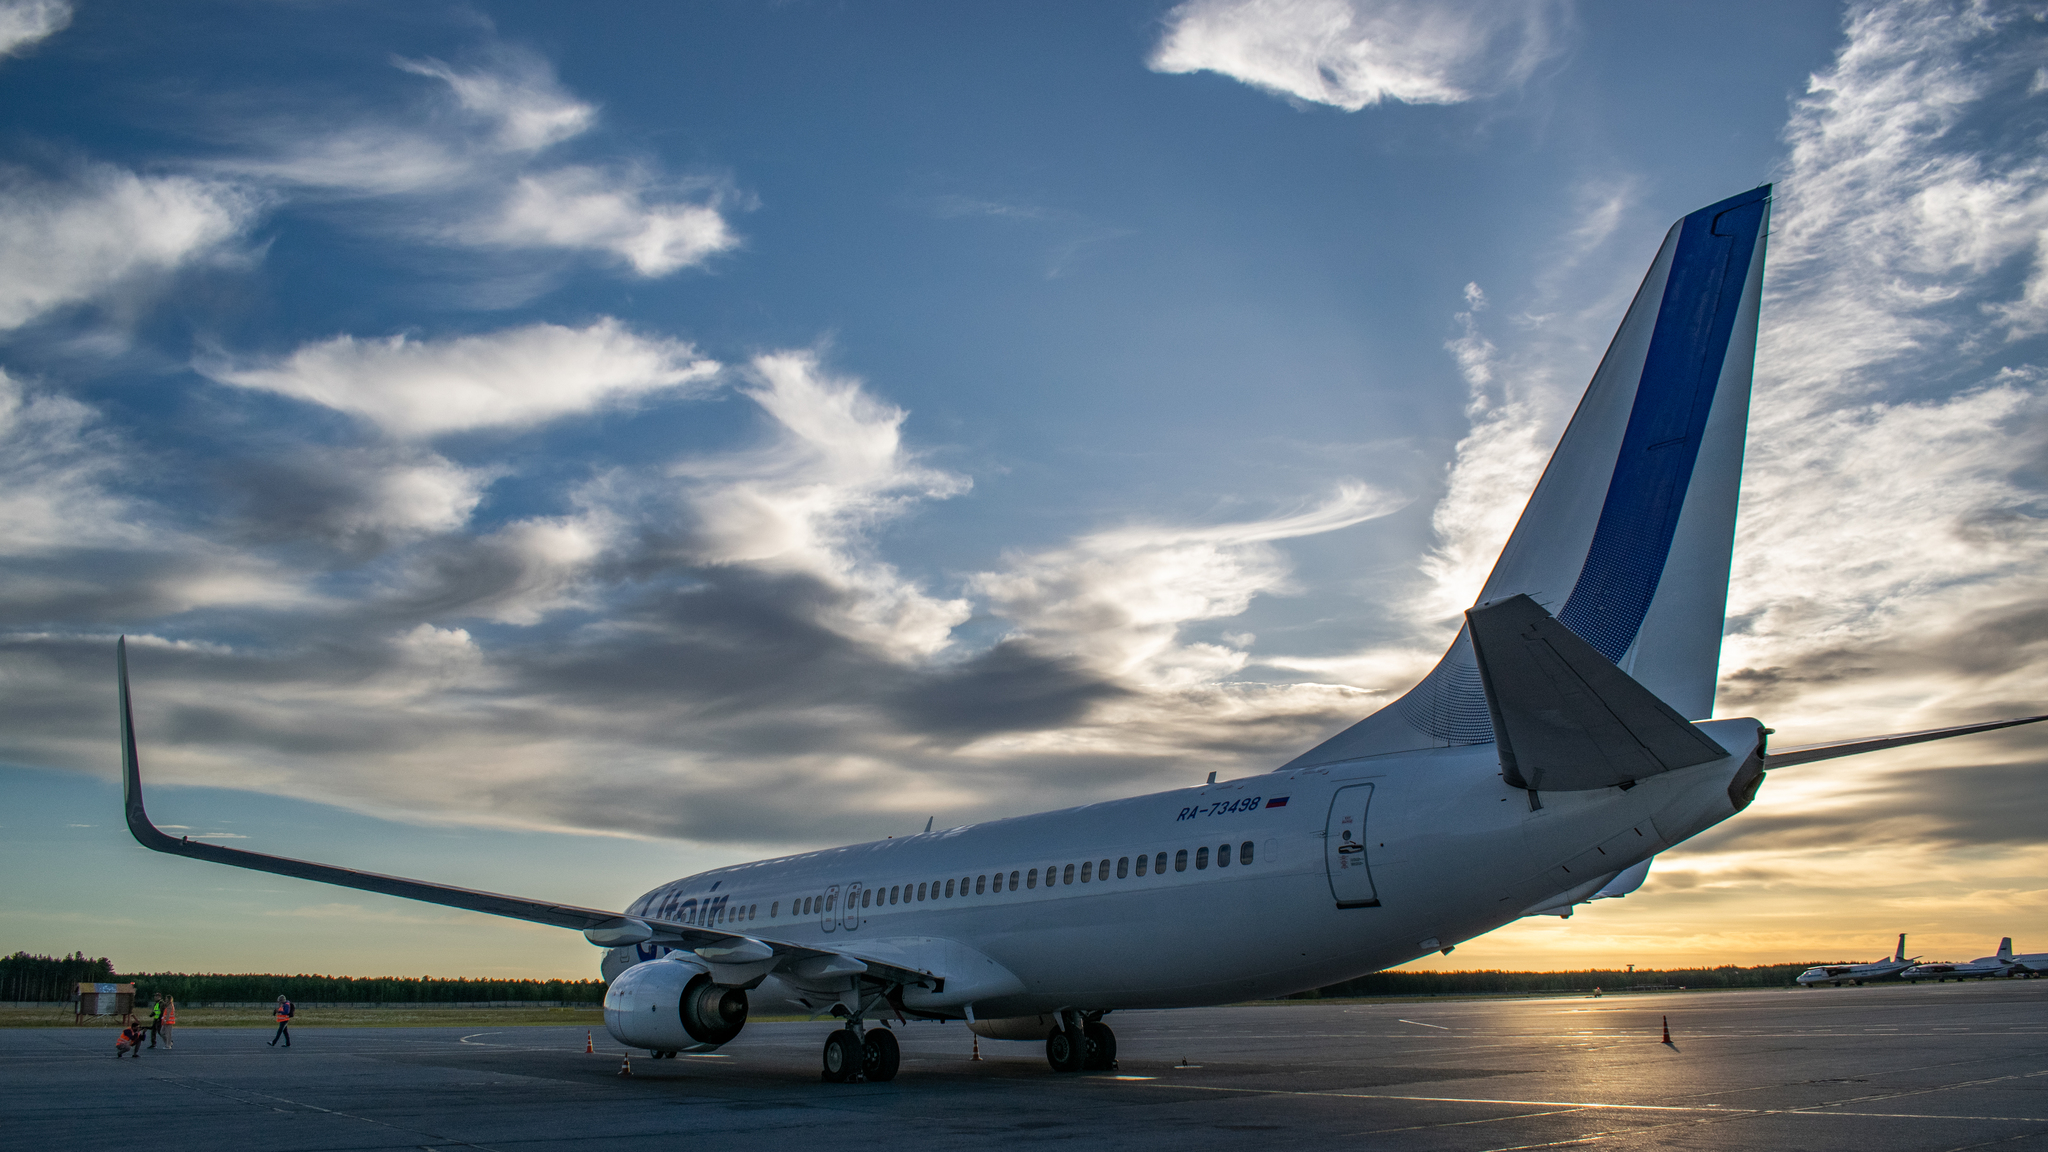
(1081, 1044)
(852, 1055)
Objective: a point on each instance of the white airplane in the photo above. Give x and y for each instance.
(1560, 744)
(1983, 967)
(1857, 973)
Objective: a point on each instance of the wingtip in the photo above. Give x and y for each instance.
(140, 826)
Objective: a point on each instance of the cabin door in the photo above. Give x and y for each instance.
(828, 916)
(1344, 848)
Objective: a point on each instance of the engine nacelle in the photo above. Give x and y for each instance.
(671, 1005)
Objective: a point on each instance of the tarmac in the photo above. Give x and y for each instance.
(1875, 1069)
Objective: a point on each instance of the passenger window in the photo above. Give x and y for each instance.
(774, 906)
(1102, 870)
(1223, 855)
(867, 897)
(831, 901)
(1180, 860)
(1087, 871)
(963, 885)
(1142, 861)
(920, 892)
(1123, 867)
(1031, 878)
(949, 889)
(1067, 877)
(1244, 852)
(1013, 881)
(806, 911)
(1201, 859)
(752, 909)
(1159, 865)
(981, 884)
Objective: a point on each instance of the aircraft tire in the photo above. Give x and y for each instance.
(843, 1056)
(1062, 1052)
(1100, 1043)
(881, 1056)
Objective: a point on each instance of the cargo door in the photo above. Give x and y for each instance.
(1344, 848)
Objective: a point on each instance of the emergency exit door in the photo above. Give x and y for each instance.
(1344, 848)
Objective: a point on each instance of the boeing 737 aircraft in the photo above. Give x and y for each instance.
(1562, 742)
(1982, 968)
(1857, 973)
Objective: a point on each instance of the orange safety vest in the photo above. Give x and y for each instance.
(283, 1013)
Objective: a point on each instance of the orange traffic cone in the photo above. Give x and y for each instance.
(626, 1065)
(588, 1047)
(977, 1049)
(1667, 1029)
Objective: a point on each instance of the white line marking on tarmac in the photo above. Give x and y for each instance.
(1420, 1024)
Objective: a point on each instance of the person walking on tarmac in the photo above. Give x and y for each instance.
(170, 1020)
(284, 1012)
(156, 1020)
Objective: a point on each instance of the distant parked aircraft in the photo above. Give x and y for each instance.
(1857, 973)
(1562, 742)
(1981, 968)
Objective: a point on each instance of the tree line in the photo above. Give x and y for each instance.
(1606, 979)
(28, 977)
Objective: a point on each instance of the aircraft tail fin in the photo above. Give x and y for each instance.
(1628, 536)
(2005, 948)
(1901, 956)
(1564, 717)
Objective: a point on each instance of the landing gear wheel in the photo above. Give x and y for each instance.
(1100, 1043)
(843, 1056)
(883, 1055)
(1064, 1051)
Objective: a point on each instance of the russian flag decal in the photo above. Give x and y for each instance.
(1277, 802)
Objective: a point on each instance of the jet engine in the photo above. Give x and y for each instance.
(671, 1005)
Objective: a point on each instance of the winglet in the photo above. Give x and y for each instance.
(139, 825)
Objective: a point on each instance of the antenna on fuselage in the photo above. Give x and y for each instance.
(1212, 777)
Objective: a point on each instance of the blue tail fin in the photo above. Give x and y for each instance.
(1628, 536)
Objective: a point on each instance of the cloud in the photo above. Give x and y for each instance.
(582, 207)
(519, 95)
(360, 499)
(513, 378)
(1894, 492)
(1117, 600)
(1353, 54)
(64, 242)
(26, 23)
(469, 169)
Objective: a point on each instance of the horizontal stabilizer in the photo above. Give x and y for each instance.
(1564, 716)
(1808, 753)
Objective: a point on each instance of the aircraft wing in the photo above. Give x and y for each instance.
(603, 928)
(1808, 753)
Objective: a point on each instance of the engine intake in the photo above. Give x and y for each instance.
(671, 1005)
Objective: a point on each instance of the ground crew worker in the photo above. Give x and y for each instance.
(129, 1041)
(284, 1012)
(156, 1019)
(170, 1020)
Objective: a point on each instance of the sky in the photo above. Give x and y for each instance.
(556, 449)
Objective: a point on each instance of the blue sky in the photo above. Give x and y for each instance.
(556, 449)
